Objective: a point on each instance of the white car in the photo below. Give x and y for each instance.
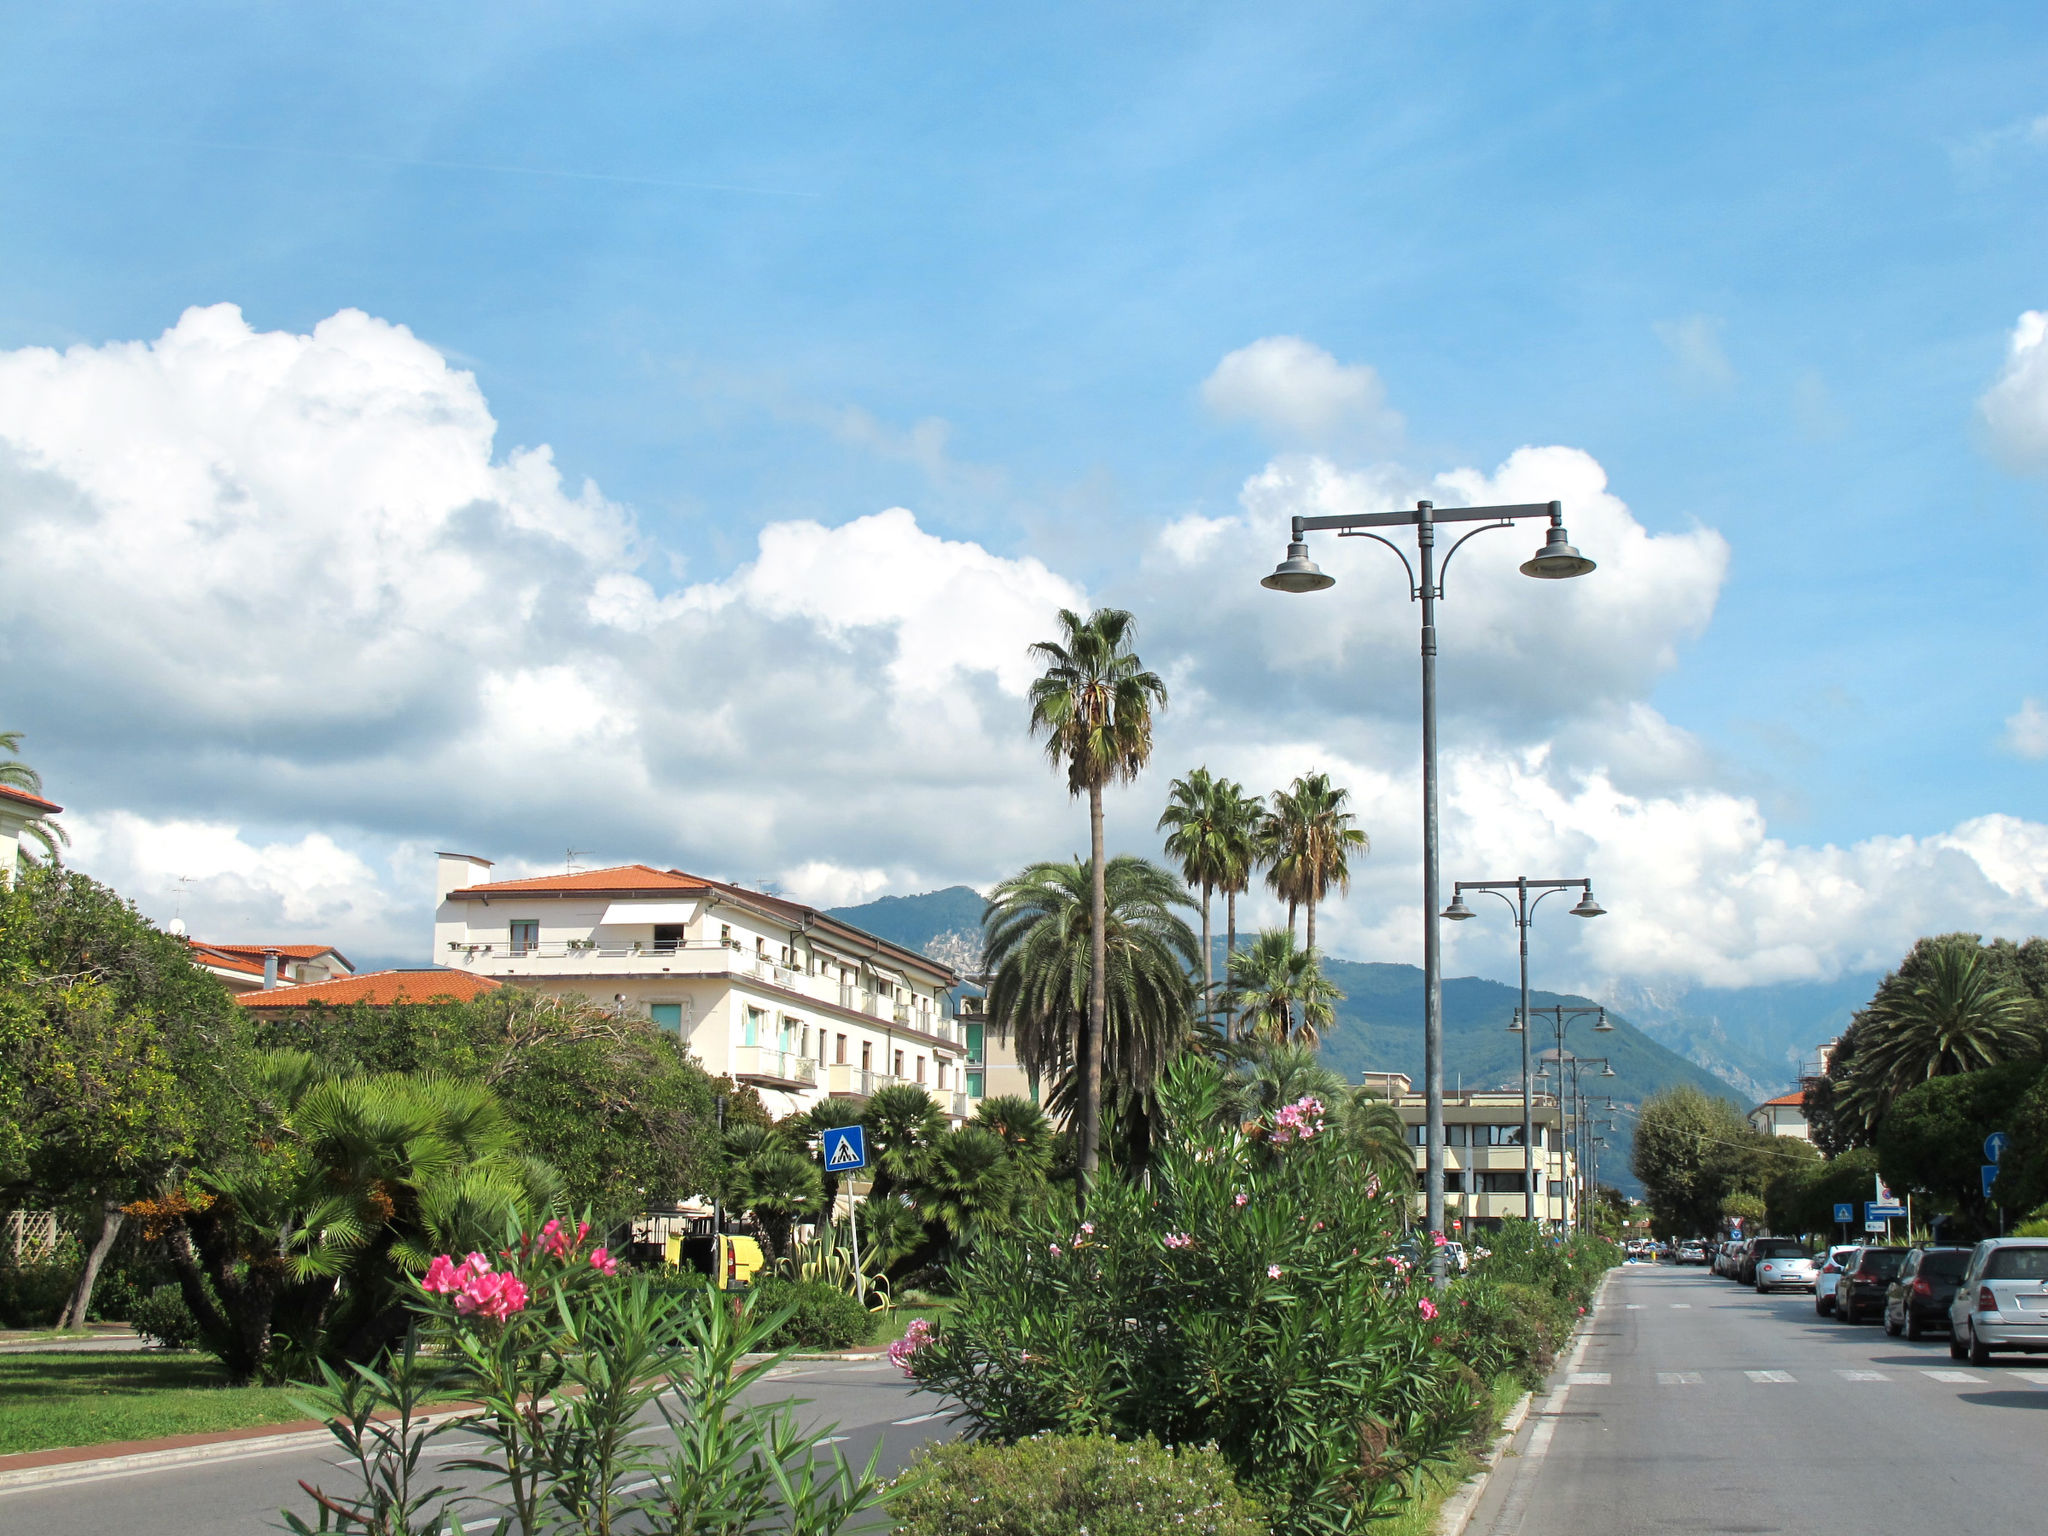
(1824, 1278)
(2002, 1300)
(1786, 1272)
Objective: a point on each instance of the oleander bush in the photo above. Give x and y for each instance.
(1246, 1295)
(1073, 1485)
(821, 1316)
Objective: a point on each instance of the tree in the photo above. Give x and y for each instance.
(1693, 1154)
(970, 1181)
(1236, 816)
(1045, 954)
(905, 1124)
(1378, 1135)
(1931, 1140)
(1278, 1073)
(777, 1183)
(16, 774)
(1281, 990)
(1198, 842)
(1094, 705)
(1025, 1132)
(1310, 839)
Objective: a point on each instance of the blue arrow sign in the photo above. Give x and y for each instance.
(1990, 1173)
(1845, 1212)
(1994, 1147)
(1873, 1211)
(846, 1148)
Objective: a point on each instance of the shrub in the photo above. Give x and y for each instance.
(1068, 1485)
(31, 1295)
(163, 1316)
(1503, 1326)
(825, 1316)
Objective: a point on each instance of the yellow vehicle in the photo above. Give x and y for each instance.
(730, 1259)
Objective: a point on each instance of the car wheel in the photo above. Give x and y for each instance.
(1821, 1308)
(1846, 1311)
(1957, 1350)
(1915, 1329)
(1979, 1355)
(1891, 1329)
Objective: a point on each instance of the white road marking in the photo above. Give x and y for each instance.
(1954, 1376)
(1681, 1306)
(1680, 1379)
(2038, 1378)
(1633, 1306)
(1863, 1375)
(1771, 1378)
(925, 1417)
(1516, 1507)
(1590, 1379)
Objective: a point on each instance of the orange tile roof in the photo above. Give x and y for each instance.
(1795, 1098)
(620, 877)
(257, 951)
(380, 989)
(35, 803)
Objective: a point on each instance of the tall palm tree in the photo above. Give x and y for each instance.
(16, 774)
(1094, 704)
(1040, 946)
(1279, 1074)
(1374, 1129)
(1960, 1018)
(1282, 989)
(1196, 842)
(1308, 838)
(1236, 815)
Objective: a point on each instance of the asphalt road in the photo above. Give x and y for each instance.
(1698, 1405)
(868, 1402)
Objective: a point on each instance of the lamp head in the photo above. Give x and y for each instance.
(1298, 573)
(1457, 911)
(1588, 907)
(1603, 1027)
(1515, 1023)
(1608, 1070)
(1557, 559)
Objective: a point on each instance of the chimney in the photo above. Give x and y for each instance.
(453, 871)
(270, 970)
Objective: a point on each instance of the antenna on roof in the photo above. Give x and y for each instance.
(178, 905)
(570, 856)
(766, 886)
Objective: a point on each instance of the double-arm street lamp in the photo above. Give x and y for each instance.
(1556, 560)
(1525, 910)
(1573, 1134)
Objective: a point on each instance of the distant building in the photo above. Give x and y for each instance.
(17, 809)
(254, 967)
(375, 989)
(1483, 1159)
(1783, 1116)
(766, 990)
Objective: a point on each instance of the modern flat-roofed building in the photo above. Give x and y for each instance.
(766, 990)
(1484, 1168)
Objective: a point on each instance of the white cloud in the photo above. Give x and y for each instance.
(2026, 730)
(2015, 407)
(1300, 393)
(1694, 342)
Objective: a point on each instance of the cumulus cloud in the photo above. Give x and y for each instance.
(2026, 730)
(286, 618)
(2015, 407)
(1301, 394)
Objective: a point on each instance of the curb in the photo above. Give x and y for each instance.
(1457, 1509)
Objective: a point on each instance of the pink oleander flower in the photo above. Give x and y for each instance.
(1272, 1271)
(603, 1262)
(1438, 1238)
(1179, 1240)
(1372, 1186)
(1241, 1199)
(494, 1296)
(1088, 1229)
(915, 1337)
(1426, 1307)
(1057, 1250)
(445, 1275)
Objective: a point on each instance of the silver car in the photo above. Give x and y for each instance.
(1778, 1271)
(2002, 1300)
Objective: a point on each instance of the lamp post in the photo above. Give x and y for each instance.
(1580, 1112)
(1563, 1017)
(1555, 561)
(1525, 910)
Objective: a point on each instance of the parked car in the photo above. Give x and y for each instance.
(2002, 1300)
(1729, 1258)
(1924, 1290)
(1824, 1278)
(1690, 1253)
(1860, 1287)
(1454, 1258)
(1782, 1264)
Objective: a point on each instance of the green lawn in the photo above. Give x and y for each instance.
(60, 1399)
(892, 1325)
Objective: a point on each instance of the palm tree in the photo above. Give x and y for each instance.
(1282, 989)
(1375, 1130)
(1280, 1074)
(779, 1185)
(1236, 817)
(1094, 704)
(1025, 1132)
(1310, 837)
(16, 774)
(905, 1123)
(1959, 1018)
(1040, 946)
(1196, 842)
(970, 1182)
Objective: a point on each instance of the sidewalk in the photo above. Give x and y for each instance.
(97, 1336)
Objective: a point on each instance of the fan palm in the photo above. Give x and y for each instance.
(1282, 989)
(780, 1186)
(971, 1181)
(16, 774)
(1375, 1130)
(1280, 1074)
(1959, 1018)
(1040, 945)
(1307, 838)
(1025, 1132)
(1196, 842)
(905, 1122)
(1094, 705)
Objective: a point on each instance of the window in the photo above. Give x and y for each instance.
(920, 1069)
(976, 1033)
(668, 938)
(756, 1026)
(841, 1058)
(867, 1056)
(668, 1016)
(725, 933)
(821, 1048)
(1499, 1182)
(942, 1072)
(525, 935)
(1502, 1135)
(791, 1028)
(974, 1081)
(899, 1064)
(1457, 1135)
(1418, 1135)
(1454, 1182)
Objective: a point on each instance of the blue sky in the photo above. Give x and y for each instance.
(747, 265)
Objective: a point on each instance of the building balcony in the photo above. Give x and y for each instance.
(844, 1082)
(777, 1069)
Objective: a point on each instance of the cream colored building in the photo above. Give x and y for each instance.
(1483, 1158)
(765, 990)
(1783, 1116)
(17, 809)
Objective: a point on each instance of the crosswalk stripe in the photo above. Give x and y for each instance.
(1953, 1376)
(2038, 1378)
(1863, 1375)
(1771, 1378)
(1591, 1379)
(1633, 1306)
(1681, 1306)
(1680, 1379)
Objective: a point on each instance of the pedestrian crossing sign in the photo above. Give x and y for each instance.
(846, 1148)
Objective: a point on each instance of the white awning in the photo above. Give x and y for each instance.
(887, 975)
(621, 914)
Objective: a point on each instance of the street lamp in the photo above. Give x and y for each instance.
(1555, 561)
(1563, 1017)
(1525, 910)
(1573, 1137)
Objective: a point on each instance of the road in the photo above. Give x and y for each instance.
(1698, 1405)
(868, 1401)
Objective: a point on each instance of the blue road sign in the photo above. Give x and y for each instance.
(1994, 1147)
(1872, 1211)
(1845, 1212)
(845, 1149)
(1990, 1172)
